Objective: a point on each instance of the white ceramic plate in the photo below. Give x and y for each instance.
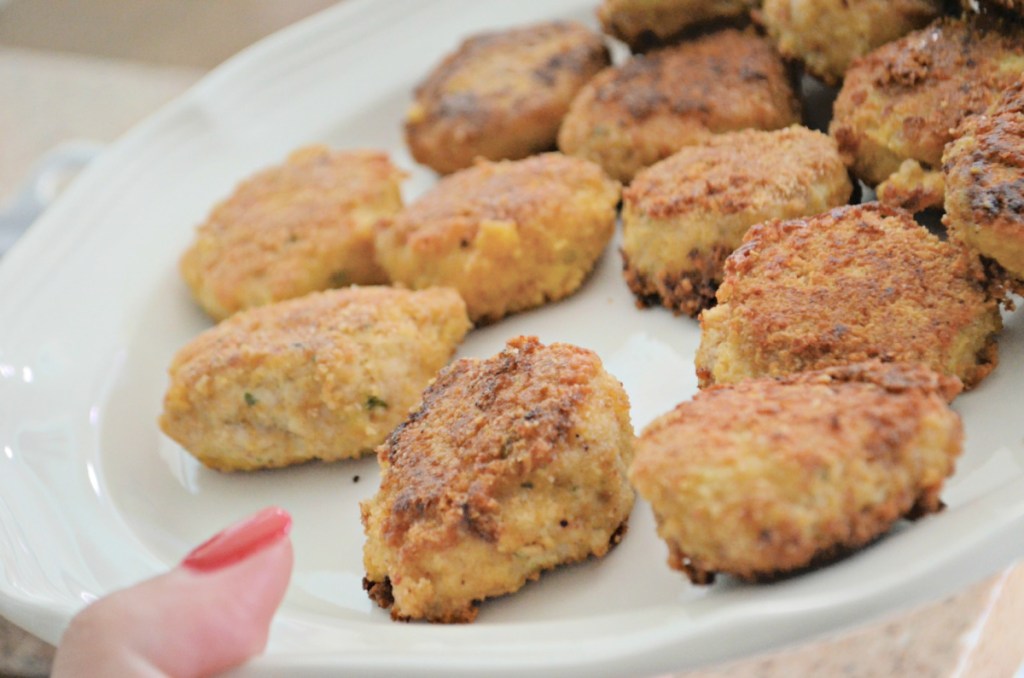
(93, 497)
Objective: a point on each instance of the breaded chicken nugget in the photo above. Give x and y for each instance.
(300, 227)
(684, 215)
(984, 173)
(646, 23)
(511, 466)
(827, 35)
(857, 283)
(501, 95)
(766, 477)
(899, 104)
(509, 236)
(324, 377)
(633, 115)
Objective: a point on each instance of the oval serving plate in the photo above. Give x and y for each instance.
(93, 497)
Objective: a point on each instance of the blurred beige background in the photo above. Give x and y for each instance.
(89, 70)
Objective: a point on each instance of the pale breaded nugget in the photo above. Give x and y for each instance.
(827, 35)
(853, 284)
(501, 95)
(984, 174)
(300, 227)
(684, 215)
(326, 376)
(899, 104)
(512, 465)
(646, 23)
(631, 116)
(509, 235)
(766, 477)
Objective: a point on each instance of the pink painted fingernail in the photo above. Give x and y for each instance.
(240, 541)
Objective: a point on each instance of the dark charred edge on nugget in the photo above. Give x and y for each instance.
(380, 593)
(647, 41)
(926, 503)
(690, 293)
(1002, 283)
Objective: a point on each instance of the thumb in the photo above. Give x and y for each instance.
(205, 616)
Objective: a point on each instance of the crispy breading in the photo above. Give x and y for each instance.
(631, 116)
(853, 284)
(326, 376)
(511, 466)
(984, 170)
(643, 24)
(769, 476)
(509, 235)
(501, 95)
(683, 216)
(300, 227)
(827, 35)
(899, 104)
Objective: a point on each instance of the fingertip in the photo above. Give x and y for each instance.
(241, 540)
(190, 621)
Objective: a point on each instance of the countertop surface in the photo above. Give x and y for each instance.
(74, 70)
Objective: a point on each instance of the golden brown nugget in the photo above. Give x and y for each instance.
(984, 174)
(509, 235)
(856, 283)
(767, 477)
(511, 466)
(631, 116)
(645, 23)
(827, 35)
(323, 377)
(899, 104)
(300, 227)
(683, 216)
(501, 95)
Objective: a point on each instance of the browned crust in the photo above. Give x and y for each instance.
(462, 114)
(903, 100)
(718, 188)
(811, 420)
(633, 115)
(644, 28)
(690, 292)
(720, 175)
(510, 413)
(984, 171)
(460, 475)
(848, 285)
